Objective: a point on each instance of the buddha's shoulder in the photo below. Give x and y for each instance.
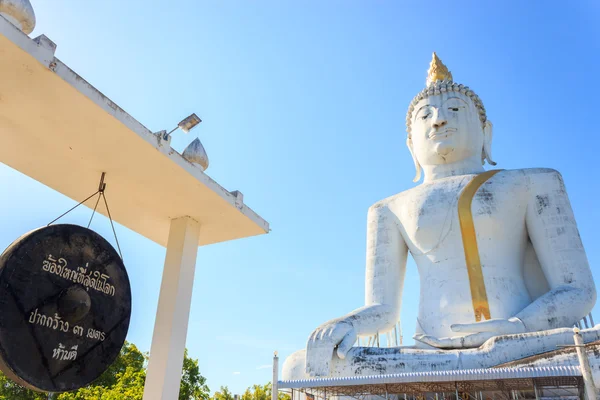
(528, 172)
(527, 180)
(540, 181)
(524, 177)
(395, 199)
(529, 176)
(385, 203)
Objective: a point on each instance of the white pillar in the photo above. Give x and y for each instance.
(170, 329)
(584, 365)
(275, 384)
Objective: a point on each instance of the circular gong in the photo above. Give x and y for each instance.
(65, 305)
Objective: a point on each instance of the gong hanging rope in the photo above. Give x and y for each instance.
(65, 304)
(65, 307)
(101, 194)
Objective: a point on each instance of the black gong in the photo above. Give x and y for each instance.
(65, 305)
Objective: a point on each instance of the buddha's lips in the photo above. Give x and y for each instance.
(441, 134)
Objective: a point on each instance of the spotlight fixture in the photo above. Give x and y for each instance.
(185, 125)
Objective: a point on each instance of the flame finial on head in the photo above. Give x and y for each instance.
(437, 71)
(440, 80)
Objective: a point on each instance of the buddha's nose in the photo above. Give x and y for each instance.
(439, 121)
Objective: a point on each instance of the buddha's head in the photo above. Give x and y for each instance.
(446, 122)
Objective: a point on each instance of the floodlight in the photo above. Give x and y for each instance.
(185, 125)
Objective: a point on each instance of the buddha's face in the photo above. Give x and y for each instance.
(446, 129)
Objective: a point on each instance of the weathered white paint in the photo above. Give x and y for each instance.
(566, 356)
(19, 13)
(499, 351)
(50, 111)
(170, 327)
(535, 270)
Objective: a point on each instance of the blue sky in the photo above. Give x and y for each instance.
(303, 106)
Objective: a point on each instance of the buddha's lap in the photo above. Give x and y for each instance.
(498, 350)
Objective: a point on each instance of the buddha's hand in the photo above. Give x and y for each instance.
(477, 333)
(339, 335)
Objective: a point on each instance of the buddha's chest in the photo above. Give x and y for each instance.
(431, 214)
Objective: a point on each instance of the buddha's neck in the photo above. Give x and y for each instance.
(464, 167)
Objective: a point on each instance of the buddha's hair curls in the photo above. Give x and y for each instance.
(443, 87)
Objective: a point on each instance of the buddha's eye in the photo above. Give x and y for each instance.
(453, 109)
(424, 117)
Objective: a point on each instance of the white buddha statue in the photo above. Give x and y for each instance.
(501, 264)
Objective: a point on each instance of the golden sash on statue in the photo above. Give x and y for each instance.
(481, 306)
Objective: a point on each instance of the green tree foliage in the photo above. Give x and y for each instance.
(130, 356)
(223, 394)
(124, 379)
(193, 385)
(129, 384)
(258, 392)
(11, 391)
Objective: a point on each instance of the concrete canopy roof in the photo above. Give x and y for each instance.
(60, 130)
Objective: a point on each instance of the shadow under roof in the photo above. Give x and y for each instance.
(60, 130)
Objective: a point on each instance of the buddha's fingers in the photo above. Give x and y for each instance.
(346, 344)
(498, 326)
(318, 356)
(321, 345)
(477, 339)
(492, 325)
(456, 342)
(440, 343)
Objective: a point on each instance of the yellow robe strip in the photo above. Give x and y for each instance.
(469, 239)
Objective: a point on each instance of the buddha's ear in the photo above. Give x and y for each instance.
(412, 153)
(487, 143)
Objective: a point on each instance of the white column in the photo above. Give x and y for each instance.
(584, 366)
(274, 384)
(170, 329)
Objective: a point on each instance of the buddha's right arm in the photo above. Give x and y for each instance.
(386, 264)
(385, 270)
